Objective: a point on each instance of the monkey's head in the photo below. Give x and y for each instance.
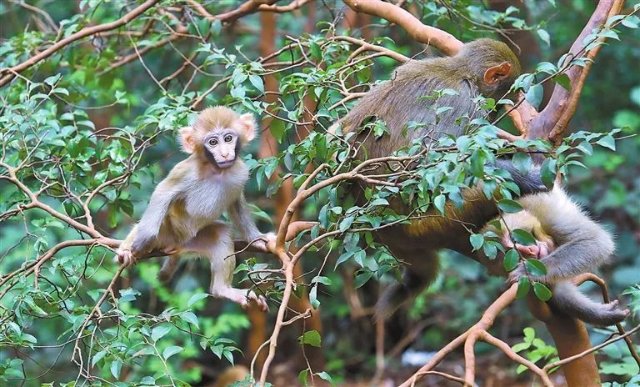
(217, 135)
(524, 220)
(492, 65)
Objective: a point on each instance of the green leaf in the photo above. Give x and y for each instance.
(190, 318)
(522, 162)
(535, 267)
(170, 351)
(216, 27)
(608, 142)
(362, 278)
(116, 367)
(439, 203)
(257, 82)
(97, 357)
(278, 130)
(159, 331)
(311, 338)
(511, 260)
(548, 172)
(303, 377)
(544, 35)
(534, 95)
(321, 280)
(523, 237)
(325, 376)
(523, 287)
(541, 291)
(520, 347)
(631, 21)
(195, 298)
(477, 240)
(346, 223)
(509, 206)
(563, 80)
(52, 80)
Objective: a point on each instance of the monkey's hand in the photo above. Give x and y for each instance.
(143, 242)
(240, 296)
(125, 257)
(264, 242)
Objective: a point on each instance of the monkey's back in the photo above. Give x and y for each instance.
(436, 110)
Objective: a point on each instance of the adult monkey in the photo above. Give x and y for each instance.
(482, 67)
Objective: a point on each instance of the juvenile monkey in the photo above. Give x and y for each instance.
(183, 212)
(569, 243)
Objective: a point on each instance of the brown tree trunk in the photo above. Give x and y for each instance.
(571, 337)
(269, 148)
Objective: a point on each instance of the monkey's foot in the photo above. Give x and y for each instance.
(241, 296)
(264, 242)
(125, 257)
(613, 314)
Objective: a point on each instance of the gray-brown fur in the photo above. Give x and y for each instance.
(401, 104)
(184, 209)
(403, 99)
(582, 246)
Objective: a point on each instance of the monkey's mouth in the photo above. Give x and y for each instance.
(225, 164)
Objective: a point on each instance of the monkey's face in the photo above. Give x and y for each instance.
(221, 147)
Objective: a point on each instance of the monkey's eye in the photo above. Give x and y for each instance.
(228, 138)
(213, 142)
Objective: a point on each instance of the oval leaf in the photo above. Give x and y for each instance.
(523, 287)
(477, 240)
(170, 351)
(523, 237)
(311, 338)
(509, 206)
(535, 267)
(511, 259)
(541, 291)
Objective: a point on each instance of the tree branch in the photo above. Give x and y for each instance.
(87, 31)
(554, 119)
(438, 38)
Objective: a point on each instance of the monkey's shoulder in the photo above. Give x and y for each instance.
(558, 213)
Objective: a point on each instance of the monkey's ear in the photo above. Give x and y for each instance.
(497, 73)
(187, 139)
(247, 126)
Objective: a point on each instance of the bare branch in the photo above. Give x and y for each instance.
(440, 39)
(554, 119)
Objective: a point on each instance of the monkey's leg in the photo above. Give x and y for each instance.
(124, 253)
(415, 278)
(214, 242)
(169, 268)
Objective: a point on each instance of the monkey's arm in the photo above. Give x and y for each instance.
(142, 236)
(149, 226)
(529, 182)
(243, 221)
(583, 245)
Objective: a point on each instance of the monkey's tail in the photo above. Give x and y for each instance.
(568, 299)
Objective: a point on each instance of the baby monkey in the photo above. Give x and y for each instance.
(569, 243)
(183, 212)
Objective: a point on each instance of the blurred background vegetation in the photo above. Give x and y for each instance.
(106, 108)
